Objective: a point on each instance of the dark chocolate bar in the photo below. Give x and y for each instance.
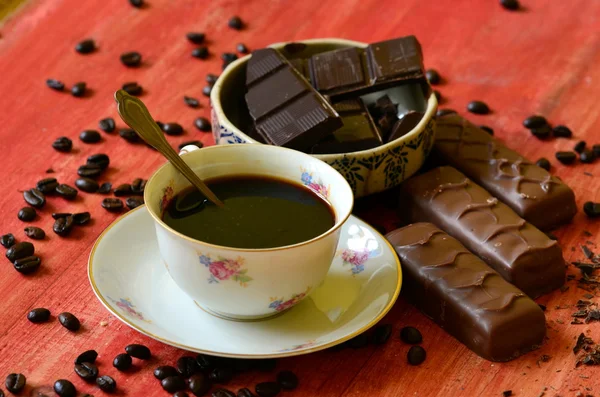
(464, 296)
(534, 194)
(516, 249)
(404, 125)
(287, 111)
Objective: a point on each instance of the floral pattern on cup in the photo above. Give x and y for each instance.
(167, 195)
(128, 308)
(306, 345)
(280, 304)
(356, 259)
(314, 184)
(223, 269)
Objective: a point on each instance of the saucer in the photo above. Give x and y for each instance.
(128, 276)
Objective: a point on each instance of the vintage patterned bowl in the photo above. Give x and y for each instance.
(367, 171)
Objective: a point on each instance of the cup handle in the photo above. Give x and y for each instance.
(187, 149)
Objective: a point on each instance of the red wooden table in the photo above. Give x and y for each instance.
(543, 59)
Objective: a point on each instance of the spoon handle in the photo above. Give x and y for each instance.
(136, 115)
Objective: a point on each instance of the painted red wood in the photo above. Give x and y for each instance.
(541, 60)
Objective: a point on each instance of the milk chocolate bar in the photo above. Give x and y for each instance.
(465, 296)
(531, 191)
(516, 249)
(287, 111)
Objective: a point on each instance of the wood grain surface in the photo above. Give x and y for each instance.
(543, 59)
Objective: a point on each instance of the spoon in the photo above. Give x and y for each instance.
(136, 115)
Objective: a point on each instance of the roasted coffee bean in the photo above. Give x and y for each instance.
(535, 121)
(579, 147)
(478, 107)
(221, 375)
(200, 52)
(112, 205)
(47, 185)
(138, 351)
(102, 160)
(382, 333)
(105, 188)
(66, 191)
(195, 37)
(87, 185)
(411, 335)
(55, 84)
(191, 102)
(164, 371)
(27, 214)
(131, 59)
(566, 157)
(416, 355)
(187, 366)
(38, 315)
(34, 198)
(207, 90)
(211, 79)
(587, 156)
(542, 132)
(359, 341)
(78, 90)
(85, 46)
(438, 95)
(596, 150)
(123, 190)
(245, 392)
(195, 143)
(88, 356)
(90, 136)
(122, 362)
(199, 384)
(172, 129)
(510, 5)
(63, 226)
(487, 129)
(591, 209)
(172, 384)
(86, 371)
(266, 364)
(69, 321)
(222, 393)
(35, 233)
(20, 250)
(178, 394)
(129, 135)
(433, 76)
(561, 131)
(107, 124)
(63, 144)
(134, 202)
(65, 388)
(241, 48)
(81, 218)
(138, 186)
(288, 380)
(235, 22)
(207, 363)
(90, 170)
(543, 163)
(27, 265)
(132, 88)
(203, 124)
(106, 384)
(137, 3)
(443, 112)
(15, 383)
(7, 240)
(229, 56)
(267, 389)
(241, 365)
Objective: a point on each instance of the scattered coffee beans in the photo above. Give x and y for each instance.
(288, 380)
(195, 37)
(100, 159)
(66, 191)
(579, 147)
(478, 107)
(90, 170)
(566, 157)
(27, 265)
(82, 218)
(181, 394)
(433, 76)
(187, 366)
(221, 375)
(107, 124)
(543, 163)
(199, 384)
(63, 226)
(266, 364)
(122, 362)
(211, 79)
(55, 84)
(173, 384)
(267, 389)
(132, 88)
(382, 333)
(63, 144)
(510, 5)
(47, 185)
(195, 143)
(137, 3)
(35, 233)
(165, 371)
(172, 129)
(138, 351)
(106, 384)
(90, 136)
(88, 356)
(38, 315)
(200, 52)
(87, 185)
(129, 135)
(19, 251)
(112, 205)
(203, 124)
(131, 59)
(27, 214)
(591, 209)
(596, 150)
(411, 335)
(359, 341)
(542, 132)
(535, 121)
(79, 89)
(15, 383)
(34, 198)
(69, 321)
(416, 355)
(241, 48)
(245, 392)
(444, 112)
(222, 393)
(134, 202)
(123, 190)
(561, 131)
(7, 240)
(235, 22)
(438, 95)
(207, 90)
(487, 129)
(229, 57)
(191, 102)
(86, 370)
(105, 188)
(587, 156)
(207, 363)
(65, 388)
(85, 46)
(138, 186)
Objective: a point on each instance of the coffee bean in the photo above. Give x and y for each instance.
(199, 384)
(411, 335)
(123, 190)
(487, 129)
(85, 46)
(112, 205)
(34, 198)
(106, 384)
(107, 124)
(438, 95)
(561, 131)
(27, 265)
(267, 389)
(35, 233)
(510, 5)
(38, 315)
(535, 121)
(137, 3)
(359, 341)
(138, 186)
(211, 79)
(207, 90)
(444, 112)
(90, 170)
(205, 362)
(172, 129)
(132, 88)
(382, 333)
(580, 147)
(195, 143)
(288, 380)
(63, 144)
(87, 185)
(587, 156)
(55, 84)
(88, 356)
(235, 22)
(100, 159)
(187, 366)
(416, 355)
(15, 383)
(63, 226)
(7, 240)
(81, 218)
(222, 393)
(129, 135)
(47, 185)
(542, 132)
(19, 251)
(433, 76)
(591, 209)
(195, 37)
(90, 136)
(221, 375)
(245, 392)
(241, 48)
(131, 59)
(105, 188)
(164, 371)
(172, 384)
(229, 56)
(203, 124)
(596, 150)
(266, 364)
(69, 321)
(566, 157)
(122, 362)
(64, 388)
(543, 163)
(478, 107)
(66, 191)
(178, 394)
(27, 214)
(138, 351)
(134, 202)
(86, 370)
(200, 52)
(78, 90)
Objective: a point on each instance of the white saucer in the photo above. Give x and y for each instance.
(128, 277)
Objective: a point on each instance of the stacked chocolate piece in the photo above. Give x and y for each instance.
(337, 101)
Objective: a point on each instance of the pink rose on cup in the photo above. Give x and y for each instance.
(223, 269)
(355, 258)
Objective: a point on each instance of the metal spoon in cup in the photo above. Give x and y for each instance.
(136, 115)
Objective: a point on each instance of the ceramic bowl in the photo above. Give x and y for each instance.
(367, 171)
(238, 283)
